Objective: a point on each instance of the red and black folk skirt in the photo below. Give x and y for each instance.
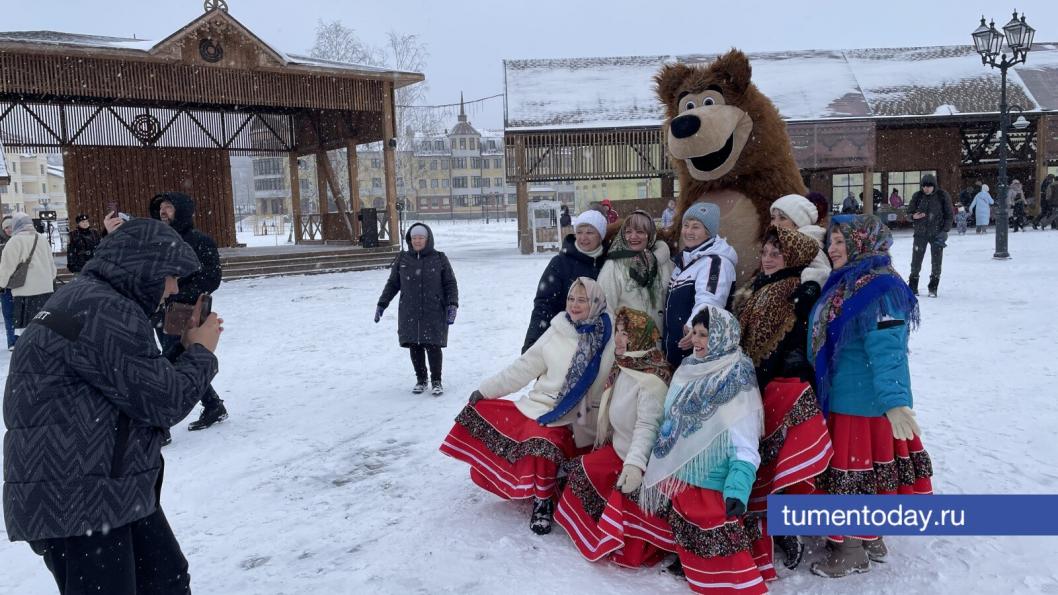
(868, 460)
(509, 454)
(603, 521)
(716, 551)
(795, 449)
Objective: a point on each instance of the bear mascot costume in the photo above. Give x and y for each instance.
(729, 147)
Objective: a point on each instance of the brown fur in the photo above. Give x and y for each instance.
(765, 169)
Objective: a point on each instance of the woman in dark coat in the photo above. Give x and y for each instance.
(429, 300)
(83, 242)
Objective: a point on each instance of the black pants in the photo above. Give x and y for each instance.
(141, 558)
(936, 251)
(419, 354)
(26, 307)
(210, 398)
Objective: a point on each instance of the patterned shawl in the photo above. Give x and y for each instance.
(766, 312)
(706, 397)
(642, 265)
(856, 296)
(641, 357)
(593, 334)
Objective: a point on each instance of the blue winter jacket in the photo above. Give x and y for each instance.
(872, 375)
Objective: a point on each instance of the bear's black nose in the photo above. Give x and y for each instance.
(685, 126)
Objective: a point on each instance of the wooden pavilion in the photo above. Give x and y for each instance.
(871, 119)
(133, 118)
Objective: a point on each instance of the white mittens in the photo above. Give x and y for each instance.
(630, 480)
(903, 421)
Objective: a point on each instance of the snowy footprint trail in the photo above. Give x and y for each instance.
(327, 479)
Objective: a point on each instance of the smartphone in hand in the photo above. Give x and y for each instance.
(205, 307)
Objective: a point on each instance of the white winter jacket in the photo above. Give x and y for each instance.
(548, 361)
(698, 267)
(40, 278)
(622, 291)
(819, 269)
(630, 414)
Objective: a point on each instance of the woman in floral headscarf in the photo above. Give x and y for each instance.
(705, 459)
(638, 267)
(598, 507)
(773, 312)
(858, 338)
(515, 448)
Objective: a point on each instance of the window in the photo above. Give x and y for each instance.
(444, 164)
(486, 182)
(435, 202)
(475, 162)
(422, 164)
(497, 163)
(267, 167)
(424, 203)
(472, 144)
(376, 163)
(498, 182)
(843, 184)
(492, 146)
(906, 183)
(3, 189)
(44, 188)
(444, 183)
(433, 164)
(14, 168)
(475, 182)
(376, 182)
(433, 183)
(439, 145)
(422, 184)
(305, 187)
(459, 163)
(266, 184)
(460, 182)
(43, 171)
(462, 143)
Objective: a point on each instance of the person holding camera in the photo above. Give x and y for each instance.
(178, 210)
(87, 397)
(27, 269)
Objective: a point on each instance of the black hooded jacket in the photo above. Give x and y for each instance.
(207, 279)
(83, 243)
(87, 391)
(936, 206)
(564, 268)
(427, 286)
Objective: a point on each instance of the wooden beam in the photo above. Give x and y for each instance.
(868, 191)
(353, 163)
(525, 239)
(389, 125)
(668, 187)
(1043, 138)
(295, 197)
(336, 190)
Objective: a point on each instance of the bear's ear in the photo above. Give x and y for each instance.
(668, 81)
(734, 70)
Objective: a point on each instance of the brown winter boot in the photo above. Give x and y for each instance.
(876, 550)
(843, 559)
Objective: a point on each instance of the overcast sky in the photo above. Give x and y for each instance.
(468, 39)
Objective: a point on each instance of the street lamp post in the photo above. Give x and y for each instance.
(989, 44)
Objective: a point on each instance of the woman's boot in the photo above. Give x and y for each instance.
(792, 548)
(842, 559)
(876, 550)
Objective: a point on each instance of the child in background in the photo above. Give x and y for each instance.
(961, 219)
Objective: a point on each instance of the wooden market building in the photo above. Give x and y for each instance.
(859, 121)
(133, 118)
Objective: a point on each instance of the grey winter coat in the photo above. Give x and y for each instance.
(87, 392)
(936, 206)
(427, 287)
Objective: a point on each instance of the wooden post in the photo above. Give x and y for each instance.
(336, 191)
(353, 164)
(321, 190)
(1042, 140)
(525, 239)
(668, 187)
(389, 138)
(295, 197)
(868, 191)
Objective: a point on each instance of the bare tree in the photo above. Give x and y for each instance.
(335, 41)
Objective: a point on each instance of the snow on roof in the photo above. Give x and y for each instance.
(804, 85)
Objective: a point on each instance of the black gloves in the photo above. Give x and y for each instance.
(735, 507)
(475, 397)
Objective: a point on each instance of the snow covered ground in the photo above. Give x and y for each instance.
(327, 479)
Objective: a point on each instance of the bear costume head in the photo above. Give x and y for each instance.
(729, 146)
